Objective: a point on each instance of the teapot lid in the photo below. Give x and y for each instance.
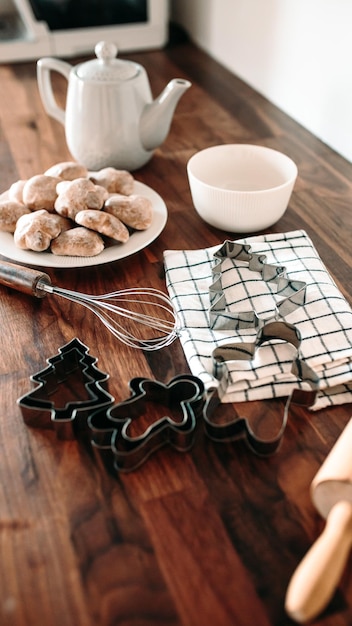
(106, 67)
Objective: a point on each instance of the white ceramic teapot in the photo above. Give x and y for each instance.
(110, 118)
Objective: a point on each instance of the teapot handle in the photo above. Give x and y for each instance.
(44, 67)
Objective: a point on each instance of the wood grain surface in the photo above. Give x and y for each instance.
(209, 537)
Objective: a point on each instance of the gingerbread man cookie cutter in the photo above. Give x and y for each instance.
(180, 400)
(239, 427)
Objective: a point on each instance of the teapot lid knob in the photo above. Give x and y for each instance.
(105, 51)
(106, 68)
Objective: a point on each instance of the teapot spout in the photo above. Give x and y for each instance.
(157, 117)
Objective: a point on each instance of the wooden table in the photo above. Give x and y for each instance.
(209, 537)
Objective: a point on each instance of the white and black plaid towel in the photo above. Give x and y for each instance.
(324, 320)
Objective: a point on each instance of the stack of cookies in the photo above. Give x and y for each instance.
(70, 211)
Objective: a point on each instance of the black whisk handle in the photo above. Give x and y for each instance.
(23, 279)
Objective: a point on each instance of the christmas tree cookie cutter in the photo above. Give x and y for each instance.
(66, 392)
(290, 294)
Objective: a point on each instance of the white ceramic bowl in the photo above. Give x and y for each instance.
(241, 188)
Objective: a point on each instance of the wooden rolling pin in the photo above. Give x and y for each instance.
(317, 576)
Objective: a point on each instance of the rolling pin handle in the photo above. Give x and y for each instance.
(23, 279)
(317, 576)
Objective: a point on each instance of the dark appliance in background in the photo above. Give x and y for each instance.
(30, 29)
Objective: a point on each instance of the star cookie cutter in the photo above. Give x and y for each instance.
(291, 292)
(239, 427)
(110, 430)
(66, 392)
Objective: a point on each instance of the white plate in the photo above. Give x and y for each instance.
(137, 241)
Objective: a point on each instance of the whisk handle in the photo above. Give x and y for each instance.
(23, 279)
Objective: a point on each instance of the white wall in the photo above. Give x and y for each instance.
(297, 53)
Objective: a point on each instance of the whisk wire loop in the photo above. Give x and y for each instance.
(107, 307)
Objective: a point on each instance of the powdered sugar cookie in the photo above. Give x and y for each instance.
(134, 211)
(79, 195)
(78, 241)
(35, 230)
(68, 170)
(104, 224)
(115, 181)
(16, 191)
(39, 192)
(10, 212)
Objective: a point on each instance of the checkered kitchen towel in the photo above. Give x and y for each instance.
(324, 320)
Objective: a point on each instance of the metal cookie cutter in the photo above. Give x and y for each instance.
(291, 292)
(66, 392)
(182, 397)
(239, 427)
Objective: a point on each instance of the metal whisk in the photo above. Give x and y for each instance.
(109, 307)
